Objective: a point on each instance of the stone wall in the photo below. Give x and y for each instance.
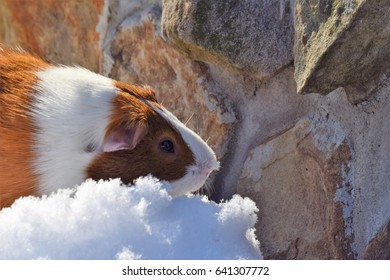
(315, 164)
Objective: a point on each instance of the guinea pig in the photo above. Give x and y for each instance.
(61, 125)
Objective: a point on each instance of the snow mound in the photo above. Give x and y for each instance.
(108, 220)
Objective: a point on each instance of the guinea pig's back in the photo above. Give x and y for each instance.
(17, 77)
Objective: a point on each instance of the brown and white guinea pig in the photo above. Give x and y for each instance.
(60, 125)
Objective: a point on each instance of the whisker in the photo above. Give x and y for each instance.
(189, 118)
(210, 188)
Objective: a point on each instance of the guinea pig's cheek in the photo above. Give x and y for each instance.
(118, 164)
(190, 182)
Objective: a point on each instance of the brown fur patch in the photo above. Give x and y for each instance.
(147, 157)
(17, 77)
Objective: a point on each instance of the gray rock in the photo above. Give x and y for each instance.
(341, 44)
(255, 37)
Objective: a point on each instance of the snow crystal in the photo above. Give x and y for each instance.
(109, 220)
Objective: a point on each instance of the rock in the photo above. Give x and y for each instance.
(141, 56)
(300, 182)
(341, 44)
(379, 247)
(263, 109)
(60, 31)
(255, 37)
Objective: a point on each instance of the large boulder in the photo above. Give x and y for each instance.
(341, 44)
(254, 37)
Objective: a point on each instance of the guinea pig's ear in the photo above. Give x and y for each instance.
(124, 138)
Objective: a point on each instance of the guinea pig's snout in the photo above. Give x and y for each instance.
(209, 166)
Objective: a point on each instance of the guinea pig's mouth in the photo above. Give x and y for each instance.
(194, 179)
(206, 168)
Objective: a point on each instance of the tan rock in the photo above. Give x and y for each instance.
(300, 185)
(60, 31)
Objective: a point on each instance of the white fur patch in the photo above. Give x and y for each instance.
(71, 110)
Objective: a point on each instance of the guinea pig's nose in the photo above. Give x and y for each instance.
(207, 167)
(207, 170)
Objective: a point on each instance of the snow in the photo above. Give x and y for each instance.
(109, 220)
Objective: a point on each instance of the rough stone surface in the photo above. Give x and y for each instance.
(379, 247)
(263, 109)
(60, 31)
(300, 183)
(255, 37)
(341, 44)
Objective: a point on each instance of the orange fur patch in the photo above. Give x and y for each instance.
(17, 77)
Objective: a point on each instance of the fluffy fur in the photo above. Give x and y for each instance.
(17, 77)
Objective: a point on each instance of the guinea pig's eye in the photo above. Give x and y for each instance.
(167, 146)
